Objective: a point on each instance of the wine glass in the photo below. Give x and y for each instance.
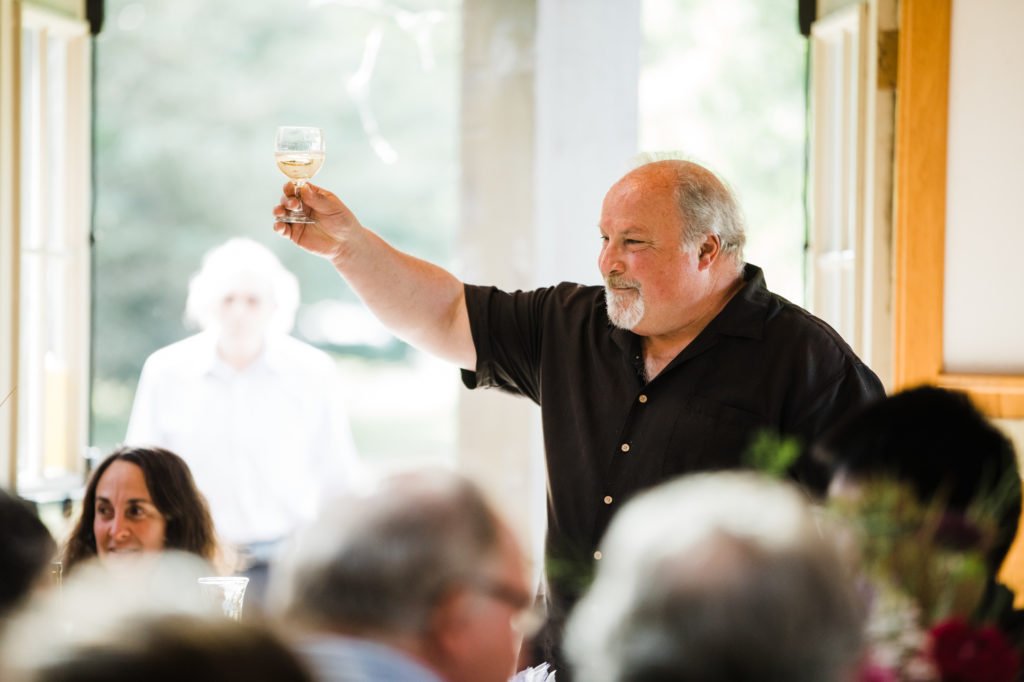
(225, 593)
(299, 152)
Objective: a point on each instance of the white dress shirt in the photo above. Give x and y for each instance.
(265, 444)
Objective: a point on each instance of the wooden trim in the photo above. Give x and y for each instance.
(10, 246)
(997, 396)
(922, 115)
(922, 112)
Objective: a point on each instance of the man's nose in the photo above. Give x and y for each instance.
(609, 261)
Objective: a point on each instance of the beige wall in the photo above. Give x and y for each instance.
(983, 329)
(984, 320)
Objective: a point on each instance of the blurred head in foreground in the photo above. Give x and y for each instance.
(141, 500)
(26, 551)
(714, 577)
(423, 567)
(178, 647)
(141, 620)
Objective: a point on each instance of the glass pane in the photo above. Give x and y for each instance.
(723, 82)
(32, 235)
(45, 385)
(51, 377)
(31, 377)
(56, 181)
(190, 164)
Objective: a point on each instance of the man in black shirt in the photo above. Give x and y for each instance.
(671, 367)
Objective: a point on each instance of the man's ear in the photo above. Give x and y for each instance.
(708, 251)
(450, 623)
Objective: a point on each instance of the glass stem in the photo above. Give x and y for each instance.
(298, 197)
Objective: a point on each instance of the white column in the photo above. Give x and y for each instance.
(588, 64)
(549, 98)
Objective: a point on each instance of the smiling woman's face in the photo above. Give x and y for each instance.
(126, 519)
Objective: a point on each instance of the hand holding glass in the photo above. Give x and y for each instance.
(299, 152)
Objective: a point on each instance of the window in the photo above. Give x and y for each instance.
(852, 99)
(54, 252)
(184, 161)
(837, 181)
(723, 83)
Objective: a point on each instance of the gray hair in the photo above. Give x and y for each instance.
(717, 577)
(379, 563)
(706, 204)
(222, 267)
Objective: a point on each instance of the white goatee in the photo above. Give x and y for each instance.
(625, 309)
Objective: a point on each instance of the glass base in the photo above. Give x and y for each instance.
(296, 217)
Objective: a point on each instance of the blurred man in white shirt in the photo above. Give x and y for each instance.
(255, 412)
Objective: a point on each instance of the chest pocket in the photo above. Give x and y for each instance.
(708, 436)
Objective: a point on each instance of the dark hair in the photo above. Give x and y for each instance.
(26, 549)
(174, 492)
(176, 648)
(937, 442)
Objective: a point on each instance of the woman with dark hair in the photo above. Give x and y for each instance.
(141, 500)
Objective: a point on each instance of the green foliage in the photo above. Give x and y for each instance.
(772, 454)
(935, 557)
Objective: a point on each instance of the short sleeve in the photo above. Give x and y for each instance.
(508, 331)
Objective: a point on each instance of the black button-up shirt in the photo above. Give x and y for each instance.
(762, 364)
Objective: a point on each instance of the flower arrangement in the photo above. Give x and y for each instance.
(923, 576)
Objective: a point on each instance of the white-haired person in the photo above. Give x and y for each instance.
(717, 577)
(255, 412)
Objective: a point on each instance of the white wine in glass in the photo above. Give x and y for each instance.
(299, 152)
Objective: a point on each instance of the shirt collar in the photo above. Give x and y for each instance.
(744, 315)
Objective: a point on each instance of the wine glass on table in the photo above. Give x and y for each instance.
(299, 152)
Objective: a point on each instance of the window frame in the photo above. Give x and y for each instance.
(49, 430)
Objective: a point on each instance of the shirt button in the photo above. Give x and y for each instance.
(625, 447)
(607, 499)
(643, 398)
(597, 555)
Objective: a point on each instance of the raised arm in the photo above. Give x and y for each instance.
(419, 302)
